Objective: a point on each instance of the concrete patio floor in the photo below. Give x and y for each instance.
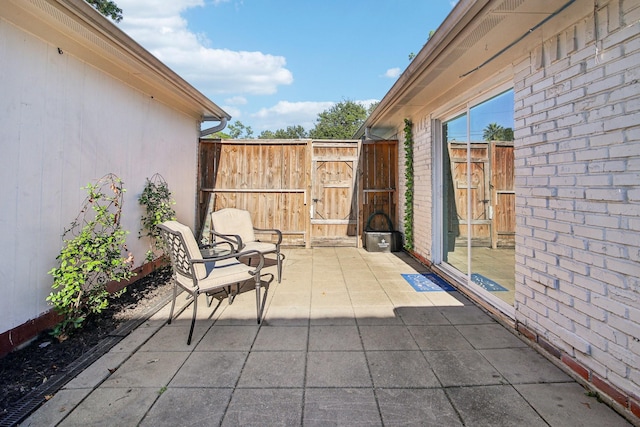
(345, 340)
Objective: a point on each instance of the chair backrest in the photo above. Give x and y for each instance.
(233, 221)
(182, 247)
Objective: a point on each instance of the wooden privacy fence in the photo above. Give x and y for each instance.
(267, 178)
(491, 210)
(318, 193)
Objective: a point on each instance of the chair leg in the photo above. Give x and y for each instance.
(230, 294)
(173, 302)
(193, 318)
(258, 300)
(279, 261)
(261, 297)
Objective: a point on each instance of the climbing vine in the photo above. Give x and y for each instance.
(408, 193)
(156, 199)
(92, 256)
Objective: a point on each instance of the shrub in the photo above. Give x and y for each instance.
(156, 199)
(91, 257)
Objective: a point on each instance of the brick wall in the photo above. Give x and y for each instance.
(423, 185)
(577, 114)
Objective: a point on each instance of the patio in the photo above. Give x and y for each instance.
(345, 340)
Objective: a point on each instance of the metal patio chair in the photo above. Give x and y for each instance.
(211, 276)
(235, 226)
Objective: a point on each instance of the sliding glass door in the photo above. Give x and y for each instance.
(478, 210)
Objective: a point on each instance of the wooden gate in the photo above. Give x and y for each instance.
(334, 208)
(379, 177)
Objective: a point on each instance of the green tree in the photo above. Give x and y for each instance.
(237, 130)
(507, 134)
(291, 132)
(341, 121)
(218, 135)
(496, 132)
(492, 132)
(267, 134)
(108, 8)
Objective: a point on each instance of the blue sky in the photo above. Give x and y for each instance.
(278, 63)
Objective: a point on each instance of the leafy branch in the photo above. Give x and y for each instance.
(156, 199)
(408, 193)
(91, 257)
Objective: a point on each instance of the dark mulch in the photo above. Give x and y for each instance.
(45, 358)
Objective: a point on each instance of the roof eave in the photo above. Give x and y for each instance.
(461, 14)
(473, 50)
(78, 29)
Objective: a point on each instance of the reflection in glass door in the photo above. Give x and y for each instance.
(478, 196)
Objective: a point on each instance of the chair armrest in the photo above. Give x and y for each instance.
(270, 230)
(236, 255)
(216, 244)
(234, 239)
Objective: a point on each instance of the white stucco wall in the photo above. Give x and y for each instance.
(64, 124)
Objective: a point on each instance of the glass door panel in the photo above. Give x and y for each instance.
(479, 198)
(493, 231)
(454, 204)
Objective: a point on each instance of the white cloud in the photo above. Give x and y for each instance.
(286, 113)
(236, 100)
(367, 102)
(158, 26)
(234, 112)
(393, 73)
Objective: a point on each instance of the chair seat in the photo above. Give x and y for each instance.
(220, 276)
(264, 247)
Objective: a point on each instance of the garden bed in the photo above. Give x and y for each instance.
(45, 361)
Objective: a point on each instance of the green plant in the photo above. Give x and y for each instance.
(156, 199)
(408, 192)
(92, 256)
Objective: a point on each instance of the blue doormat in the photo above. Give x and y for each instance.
(486, 283)
(427, 282)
